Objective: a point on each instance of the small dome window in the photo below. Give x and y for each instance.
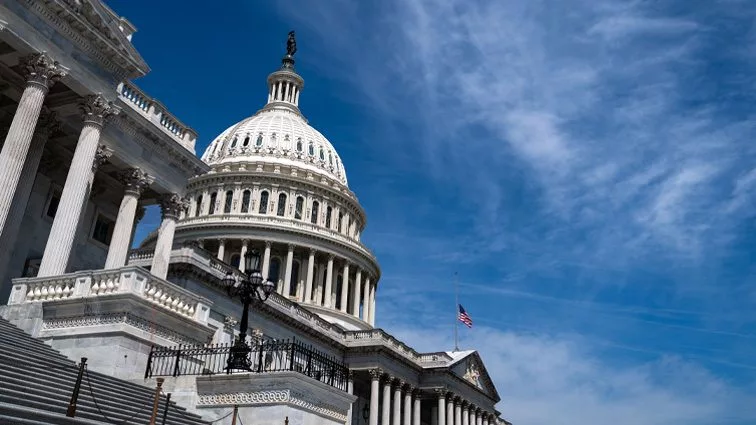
(286, 138)
(246, 141)
(233, 142)
(312, 149)
(322, 154)
(273, 140)
(330, 158)
(259, 140)
(299, 144)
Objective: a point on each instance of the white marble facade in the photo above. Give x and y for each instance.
(85, 150)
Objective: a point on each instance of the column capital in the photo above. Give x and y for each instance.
(350, 375)
(96, 109)
(268, 244)
(102, 155)
(457, 401)
(399, 383)
(409, 387)
(313, 251)
(245, 242)
(331, 257)
(290, 247)
(440, 392)
(171, 205)
(135, 180)
(376, 373)
(465, 405)
(221, 241)
(41, 70)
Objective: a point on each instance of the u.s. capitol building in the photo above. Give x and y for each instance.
(85, 150)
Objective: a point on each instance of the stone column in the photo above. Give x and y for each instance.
(58, 249)
(310, 270)
(372, 305)
(375, 379)
(441, 407)
(266, 260)
(386, 410)
(406, 420)
(41, 73)
(344, 288)
(242, 254)
(416, 407)
(329, 281)
(287, 274)
(171, 207)
(465, 413)
(221, 249)
(366, 301)
(450, 410)
(135, 181)
(477, 417)
(356, 295)
(457, 411)
(397, 415)
(46, 126)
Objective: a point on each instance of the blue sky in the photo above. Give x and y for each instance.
(589, 169)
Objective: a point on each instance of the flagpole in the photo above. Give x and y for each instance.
(456, 312)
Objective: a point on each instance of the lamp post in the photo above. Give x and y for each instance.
(251, 287)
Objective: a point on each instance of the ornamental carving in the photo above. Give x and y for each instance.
(41, 70)
(472, 374)
(171, 206)
(116, 318)
(271, 397)
(96, 109)
(376, 374)
(102, 156)
(135, 180)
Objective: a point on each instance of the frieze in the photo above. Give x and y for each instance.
(272, 397)
(122, 317)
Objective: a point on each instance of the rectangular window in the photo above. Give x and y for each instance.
(103, 229)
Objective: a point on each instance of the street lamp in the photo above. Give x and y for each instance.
(249, 288)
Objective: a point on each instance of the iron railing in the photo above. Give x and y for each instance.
(264, 357)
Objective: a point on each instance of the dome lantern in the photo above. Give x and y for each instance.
(285, 84)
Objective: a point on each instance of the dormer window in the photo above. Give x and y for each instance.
(322, 154)
(299, 144)
(233, 142)
(330, 158)
(246, 141)
(259, 140)
(312, 149)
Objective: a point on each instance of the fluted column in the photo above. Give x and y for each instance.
(372, 305)
(477, 417)
(457, 411)
(416, 408)
(386, 407)
(407, 418)
(375, 379)
(266, 260)
(135, 181)
(310, 270)
(329, 281)
(287, 274)
(441, 407)
(465, 414)
(171, 206)
(344, 288)
(58, 249)
(366, 301)
(450, 410)
(41, 73)
(46, 126)
(221, 249)
(242, 254)
(397, 405)
(356, 294)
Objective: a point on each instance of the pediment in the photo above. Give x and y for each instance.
(471, 369)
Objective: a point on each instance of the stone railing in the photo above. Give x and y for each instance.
(273, 222)
(156, 113)
(103, 283)
(379, 337)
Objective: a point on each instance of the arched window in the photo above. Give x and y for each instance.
(330, 158)
(311, 149)
(294, 279)
(281, 205)
(198, 210)
(233, 142)
(229, 201)
(341, 217)
(275, 270)
(235, 260)
(213, 198)
(298, 208)
(328, 217)
(245, 201)
(322, 154)
(299, 144)
(259, 140)
(246, 141)
(263, 202)
(315, 210)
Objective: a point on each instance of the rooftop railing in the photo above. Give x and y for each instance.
(263, 357)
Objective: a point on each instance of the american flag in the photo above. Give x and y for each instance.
(463, 317)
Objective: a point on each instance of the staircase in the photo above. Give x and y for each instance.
(36, 383)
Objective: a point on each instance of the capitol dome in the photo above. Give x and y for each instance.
(277, 186)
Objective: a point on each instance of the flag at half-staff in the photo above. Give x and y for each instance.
(464, 317)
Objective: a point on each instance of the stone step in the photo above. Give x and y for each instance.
(17, 342)
(12, 414)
